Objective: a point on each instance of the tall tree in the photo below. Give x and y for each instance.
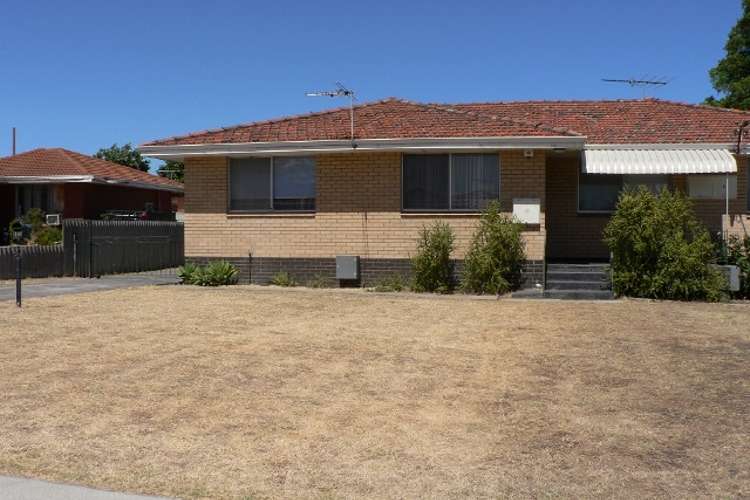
(174, 170)
(731, 76)
(124, 155)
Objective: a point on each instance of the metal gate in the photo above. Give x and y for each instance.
(95, 248)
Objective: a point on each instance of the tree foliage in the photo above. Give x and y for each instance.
(174, 170)
(731, 76)
(124, 155)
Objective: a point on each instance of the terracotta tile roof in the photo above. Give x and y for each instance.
(388, 119)
(627, 121)
(58, 161)
(614, 122)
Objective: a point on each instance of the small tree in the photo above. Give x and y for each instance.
(124, 155)
(660, 249)
(174, 170)
(494, 262)
(433, 269)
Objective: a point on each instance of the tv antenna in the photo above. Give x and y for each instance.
(643, 83)
(340, 91)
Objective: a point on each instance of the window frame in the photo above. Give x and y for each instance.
(271, 210)
(450, 184)
(623, 185)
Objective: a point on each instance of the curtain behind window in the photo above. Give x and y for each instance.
(294, 183)
(250, 184)
(475, 181)
(426, 182)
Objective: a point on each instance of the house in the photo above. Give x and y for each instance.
(293, 193)
(78, 186)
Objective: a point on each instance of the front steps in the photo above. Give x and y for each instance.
(574, 282)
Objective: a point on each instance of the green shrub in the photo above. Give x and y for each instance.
(392, 283)
(318, 281)
(282, 278)
(660, 249)
(433, 269)
(217, 273)
(187, 273)
(494, 262)
(48, 235)
(737, 253)
(35, 218)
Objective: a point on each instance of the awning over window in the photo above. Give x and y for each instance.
(658, 161)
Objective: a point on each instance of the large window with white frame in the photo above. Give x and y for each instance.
(464, 182)
(598, 193)
(284, 184)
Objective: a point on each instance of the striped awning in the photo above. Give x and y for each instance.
(658, 161)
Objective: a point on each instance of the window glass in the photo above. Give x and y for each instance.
(294, 183)
(598, 192)
(250, 184)
(654, 183)
(426, 182)
(475, 181)
(711, 187)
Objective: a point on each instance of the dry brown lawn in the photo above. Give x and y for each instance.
(250, 393)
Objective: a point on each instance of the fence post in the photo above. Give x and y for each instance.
(18, 276)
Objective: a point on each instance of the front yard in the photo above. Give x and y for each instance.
(246, 392)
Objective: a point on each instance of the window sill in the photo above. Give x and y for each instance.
(256, 215)
(439, 214)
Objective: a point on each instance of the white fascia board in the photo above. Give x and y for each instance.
(363, 145)
(45, 179)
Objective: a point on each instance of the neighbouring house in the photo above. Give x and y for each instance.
(75, 185)
(293, 193)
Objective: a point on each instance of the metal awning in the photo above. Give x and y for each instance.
(658, 161)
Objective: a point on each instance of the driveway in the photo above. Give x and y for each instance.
(64, 286)
(19, 488)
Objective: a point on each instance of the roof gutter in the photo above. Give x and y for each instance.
(72, 179)
(172, 152)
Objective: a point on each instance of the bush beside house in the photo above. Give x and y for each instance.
(433, 268)
(660, 249)
(494, 262)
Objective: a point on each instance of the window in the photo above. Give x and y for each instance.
(711, 187)
(265, 184)
(41, 196)
(455, 182)
(599, 192)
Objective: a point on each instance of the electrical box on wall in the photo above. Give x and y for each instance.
(527, 210)
(347, 267)
(528, 153)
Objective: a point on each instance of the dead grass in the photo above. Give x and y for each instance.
(240, 392)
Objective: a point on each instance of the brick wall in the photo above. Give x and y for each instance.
(579, 236)
(358, 211)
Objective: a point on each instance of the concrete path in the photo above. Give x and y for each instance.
(18, 488)
(63, 286)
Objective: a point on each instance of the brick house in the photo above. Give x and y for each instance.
(78, 186)
(293, 193)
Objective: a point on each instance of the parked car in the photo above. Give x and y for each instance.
(138, 215)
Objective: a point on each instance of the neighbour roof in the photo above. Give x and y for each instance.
(640, 121)
(387, 119)
(62, 162)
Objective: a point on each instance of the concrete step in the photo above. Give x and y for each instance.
(578, 268)
(577, 284)
(577, 276)
(578, 294)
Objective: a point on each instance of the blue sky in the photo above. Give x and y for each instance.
(86, 74)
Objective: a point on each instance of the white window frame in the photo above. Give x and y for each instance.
(450, 184)
(230, 210)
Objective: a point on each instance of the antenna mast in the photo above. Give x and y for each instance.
(340, 91)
